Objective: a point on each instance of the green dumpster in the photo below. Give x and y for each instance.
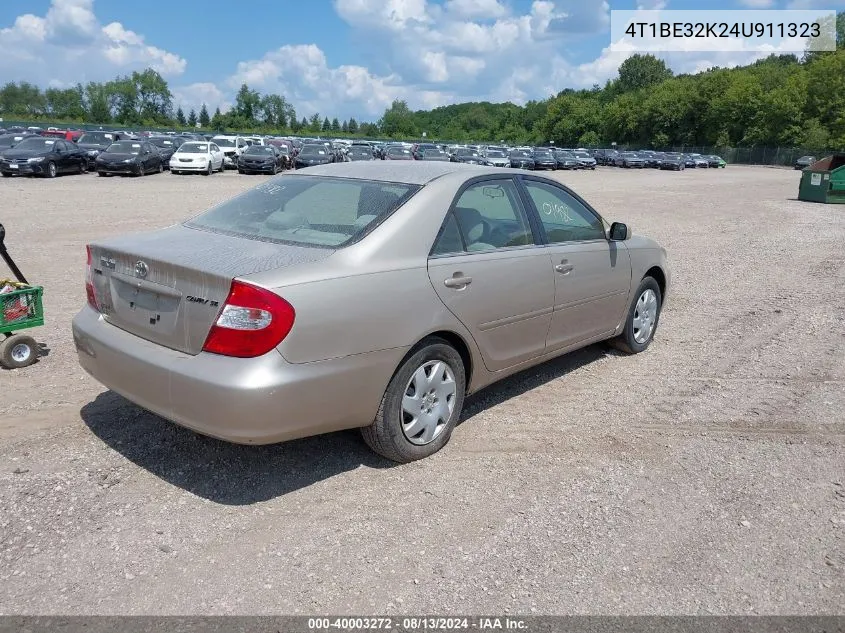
(824, 180)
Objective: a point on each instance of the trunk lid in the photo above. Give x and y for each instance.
(168, 286)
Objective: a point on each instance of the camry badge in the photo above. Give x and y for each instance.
(141, 269)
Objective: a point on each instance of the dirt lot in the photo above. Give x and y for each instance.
(704, 476)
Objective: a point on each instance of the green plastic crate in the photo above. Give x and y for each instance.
(21, 309)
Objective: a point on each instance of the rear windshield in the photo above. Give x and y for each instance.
(306, 210)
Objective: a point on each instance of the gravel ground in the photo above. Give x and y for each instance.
(704, 476)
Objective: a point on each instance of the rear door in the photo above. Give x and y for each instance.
(487, 269)
(592, 275)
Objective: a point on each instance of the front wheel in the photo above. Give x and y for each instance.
(421, 406)
(18, 351)
(643, 315)
(208, 171)
(52, 170)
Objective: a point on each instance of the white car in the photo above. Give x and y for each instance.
(195, 156)
(233, 147)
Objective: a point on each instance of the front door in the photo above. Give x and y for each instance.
(487, 270)
(592, 274)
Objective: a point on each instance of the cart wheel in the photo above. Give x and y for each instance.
(18, 351)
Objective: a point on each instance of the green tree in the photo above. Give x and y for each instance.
(398, 121)
(153, 97)
(344, 127)
(303, 125)
(180, 116)
(335, 125)
(97, 103)
(353, 126)
(192, 118)
(217, 123)
(204, 119)
(327, 126)
(66, 103)
(314, 122)
(275, 109)
(247, 104)
(641, 71)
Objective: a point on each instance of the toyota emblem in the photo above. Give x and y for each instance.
(141, 269)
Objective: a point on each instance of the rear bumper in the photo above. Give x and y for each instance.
(247, 401)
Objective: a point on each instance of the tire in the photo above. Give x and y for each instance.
(161, 168)
(647, 303)
(82, 168)
(241, 171)
(175, 172)
(52, 170)
(222, 166)
(275, 169)
(386, 435)
(6, 175)
(101, 174)
(18, 351)
(208, 171)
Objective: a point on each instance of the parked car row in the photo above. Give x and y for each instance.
(657, 160)
(119, 152)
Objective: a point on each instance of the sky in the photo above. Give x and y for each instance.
(340, 58)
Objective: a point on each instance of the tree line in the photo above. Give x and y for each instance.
(782, 100)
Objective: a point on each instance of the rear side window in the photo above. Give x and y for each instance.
(306, 210)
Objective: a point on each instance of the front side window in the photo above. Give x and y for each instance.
(490, 216)
(563, 217)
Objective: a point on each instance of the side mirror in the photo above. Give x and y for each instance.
(619, 232)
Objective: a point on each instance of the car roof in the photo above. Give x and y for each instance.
(412, 173)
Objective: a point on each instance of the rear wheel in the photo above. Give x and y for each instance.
(18, 351)
(643, 315)
(421, 405)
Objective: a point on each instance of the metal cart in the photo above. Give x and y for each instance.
(20, 308)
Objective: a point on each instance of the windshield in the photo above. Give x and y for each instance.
(96, 138)
(433, 152)
(466, 152)
(629, 155)
(544, 153)
(260, 150)
(224, 142)
(163, 142)
(194, 148)
(36, 143)
(522, 153)
(398, 150)
(313, 150)
(360, 151)
(582, 155)
(8, 141)
(306, 210)
(495, 153)
(562, 154)
(124, 147)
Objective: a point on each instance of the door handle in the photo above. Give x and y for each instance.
(457, 281)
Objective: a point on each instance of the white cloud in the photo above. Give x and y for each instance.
(476, 8)
(68, 44)
(194, 95)
(301, 73)
(758, 4)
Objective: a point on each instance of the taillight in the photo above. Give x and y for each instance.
(89, 282)
(252, 322)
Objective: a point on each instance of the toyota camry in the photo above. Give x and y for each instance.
(364, 295)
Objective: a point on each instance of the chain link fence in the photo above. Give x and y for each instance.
(779, 156)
